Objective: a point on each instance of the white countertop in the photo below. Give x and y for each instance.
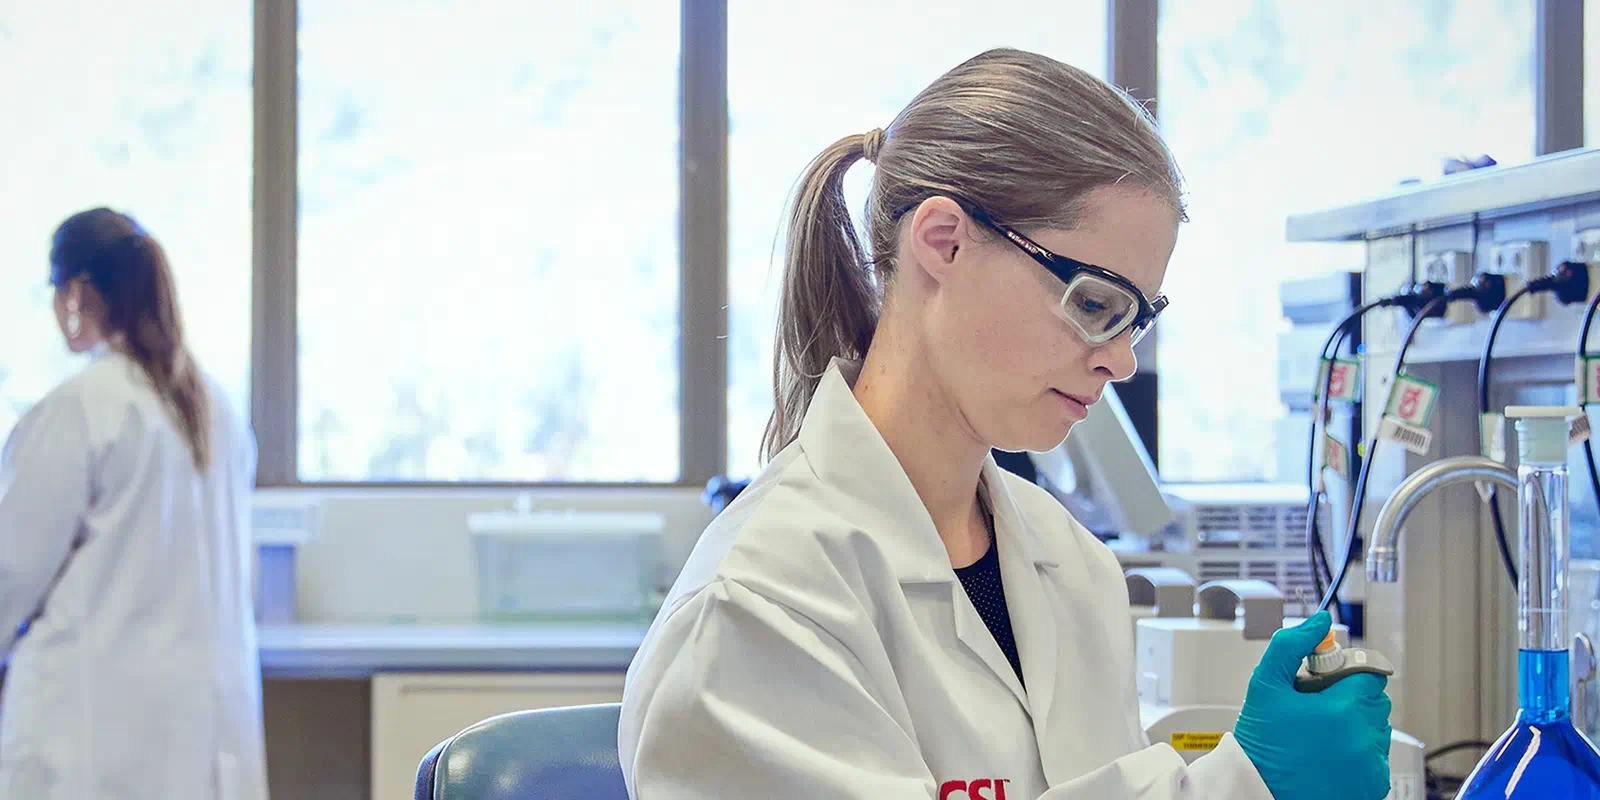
(335, 651)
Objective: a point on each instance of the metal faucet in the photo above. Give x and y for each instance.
(1381, 558)
(1383, 555)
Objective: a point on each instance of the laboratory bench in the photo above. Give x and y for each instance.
(360, 651)
(350, 709)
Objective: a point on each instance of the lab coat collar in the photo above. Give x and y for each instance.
(1011, 527)
(1024, 567)
(846, 450)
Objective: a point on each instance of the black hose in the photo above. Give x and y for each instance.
(1485, 365)
(1583, 389)
(1366, 466)
(1320, 397)
(1321, 572)
(1455, 747)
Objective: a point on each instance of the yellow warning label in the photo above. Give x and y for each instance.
(1196, 741)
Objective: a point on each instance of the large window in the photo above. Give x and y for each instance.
(1279, 107)
(144, 108)
(486, 233)
(488, 257)
(802, 75)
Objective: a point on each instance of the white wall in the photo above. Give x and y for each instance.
(381, 555)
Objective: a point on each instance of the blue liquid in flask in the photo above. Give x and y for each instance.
(1542, 755)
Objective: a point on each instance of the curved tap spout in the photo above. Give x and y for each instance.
(1382, 556)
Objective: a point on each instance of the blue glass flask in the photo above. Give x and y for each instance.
(1543, 755)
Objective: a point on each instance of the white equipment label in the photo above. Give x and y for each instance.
(1493, 430)
(1417, 440)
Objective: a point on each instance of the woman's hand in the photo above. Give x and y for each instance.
(1330, 743)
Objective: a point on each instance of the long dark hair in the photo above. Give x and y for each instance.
(134, 296)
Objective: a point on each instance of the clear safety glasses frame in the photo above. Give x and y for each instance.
(1087, 279)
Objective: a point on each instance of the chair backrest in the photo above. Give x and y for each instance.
(546, 754)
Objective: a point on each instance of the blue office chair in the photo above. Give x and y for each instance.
(546, 754)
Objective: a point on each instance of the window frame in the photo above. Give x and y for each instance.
(275, 389)
(1131, 55)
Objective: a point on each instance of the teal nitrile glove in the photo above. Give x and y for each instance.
(1334, 743)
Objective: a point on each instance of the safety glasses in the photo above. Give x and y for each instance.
(1098, 302)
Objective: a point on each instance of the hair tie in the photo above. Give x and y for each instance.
(871, 144)
(138, 230)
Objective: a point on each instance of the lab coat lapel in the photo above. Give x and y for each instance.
(846, 450)
(1066, 656)
(973, 633)
(1033, 610)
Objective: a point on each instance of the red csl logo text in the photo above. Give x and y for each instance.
(980, 789)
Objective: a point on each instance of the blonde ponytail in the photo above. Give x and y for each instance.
(830, 300)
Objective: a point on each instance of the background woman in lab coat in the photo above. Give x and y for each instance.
(124, 528)
(884, 613)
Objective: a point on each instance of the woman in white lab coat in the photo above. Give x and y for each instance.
(884, 613)
(124, 535)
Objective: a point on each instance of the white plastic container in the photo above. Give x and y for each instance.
(567, 563)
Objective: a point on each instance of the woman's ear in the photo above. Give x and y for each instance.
(939, 229)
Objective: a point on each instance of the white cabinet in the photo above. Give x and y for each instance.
(412, 712)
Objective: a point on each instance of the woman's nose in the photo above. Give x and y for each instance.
(1115, 359)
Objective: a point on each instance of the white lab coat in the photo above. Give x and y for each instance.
(138, 675)
(818, 645)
